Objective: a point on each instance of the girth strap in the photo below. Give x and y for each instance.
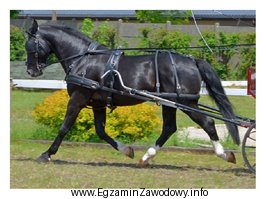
(112, 63)
(109, 78)
(157, 72)
(174, 66)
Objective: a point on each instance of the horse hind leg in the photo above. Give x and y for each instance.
(99, 121)
(207, 124)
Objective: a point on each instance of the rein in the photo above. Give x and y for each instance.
(109, 52)
(80, 55)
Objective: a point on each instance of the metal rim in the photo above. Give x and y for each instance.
(249, 150)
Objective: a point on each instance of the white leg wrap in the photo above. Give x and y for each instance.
(219, 150)
(151, 152)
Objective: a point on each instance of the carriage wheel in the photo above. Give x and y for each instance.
(249, 148)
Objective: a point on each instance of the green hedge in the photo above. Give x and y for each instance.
(105, 34)
(17, 44)
(161, 38)
(220, 57)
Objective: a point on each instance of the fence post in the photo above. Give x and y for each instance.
(54, 15)
(168, 25)
(216, 27)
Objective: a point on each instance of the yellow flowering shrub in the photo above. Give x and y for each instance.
(124, 123)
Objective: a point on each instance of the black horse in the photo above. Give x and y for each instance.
(175, 74)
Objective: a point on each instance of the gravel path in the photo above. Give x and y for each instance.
(198, 133)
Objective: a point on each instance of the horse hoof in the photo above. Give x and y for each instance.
(44, 158)
(231, 157)
(130, 152)
(143, 164)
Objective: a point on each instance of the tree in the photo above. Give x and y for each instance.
(14, 13)
(162, 16)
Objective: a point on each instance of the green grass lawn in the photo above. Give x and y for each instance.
(22, 105)
(77, 166)
(92, 167)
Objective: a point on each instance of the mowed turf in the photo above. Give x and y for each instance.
(86, 166)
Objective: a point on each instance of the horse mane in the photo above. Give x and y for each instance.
(68, 30)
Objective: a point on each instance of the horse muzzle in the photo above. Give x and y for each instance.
(33, 73)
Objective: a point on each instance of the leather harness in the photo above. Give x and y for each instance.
(109, 79)
(110, 73)
(174, 67)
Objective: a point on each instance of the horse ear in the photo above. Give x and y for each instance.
(34, 27)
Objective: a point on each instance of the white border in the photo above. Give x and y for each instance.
(125, 4)
(134, 5)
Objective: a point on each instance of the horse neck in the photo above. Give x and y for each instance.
(65, 45)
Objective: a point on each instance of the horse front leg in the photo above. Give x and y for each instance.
(75, 104)
(99, 122)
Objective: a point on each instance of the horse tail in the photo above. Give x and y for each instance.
(216, 91)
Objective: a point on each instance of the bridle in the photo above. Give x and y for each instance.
(40, 44)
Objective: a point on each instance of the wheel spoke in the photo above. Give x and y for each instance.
(254, 139)
(250, 147)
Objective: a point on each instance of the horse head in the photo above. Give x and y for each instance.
(38, 51)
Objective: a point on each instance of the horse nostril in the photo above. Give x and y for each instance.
(29, 72)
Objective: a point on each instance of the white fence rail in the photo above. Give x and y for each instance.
(38, 84)
(60, 84)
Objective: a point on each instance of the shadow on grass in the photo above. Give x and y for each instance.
(235, 171)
